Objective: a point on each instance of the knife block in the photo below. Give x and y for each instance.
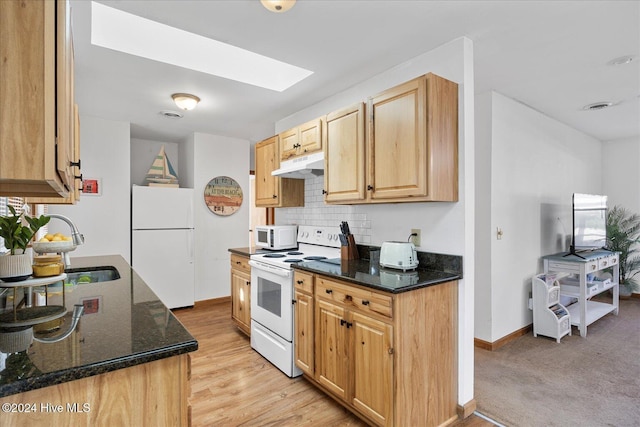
(351, 250)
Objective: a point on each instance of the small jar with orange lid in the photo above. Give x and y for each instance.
(47, 265)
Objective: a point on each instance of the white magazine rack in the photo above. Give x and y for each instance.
(550, 318)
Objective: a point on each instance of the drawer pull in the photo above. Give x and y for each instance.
(300, 282)
(365, 302)
(329, 291)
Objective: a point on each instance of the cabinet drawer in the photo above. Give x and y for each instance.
(607, 262)
(356, 298)
(303, 282)
(564, 266)
(240, 263)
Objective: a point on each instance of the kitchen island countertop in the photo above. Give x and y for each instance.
(124, 324)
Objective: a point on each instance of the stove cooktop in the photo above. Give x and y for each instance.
(314, 244)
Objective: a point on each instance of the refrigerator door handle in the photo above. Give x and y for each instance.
(190, 245)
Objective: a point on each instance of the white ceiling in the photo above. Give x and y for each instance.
(550, 55)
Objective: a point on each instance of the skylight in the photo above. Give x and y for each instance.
(114, 29)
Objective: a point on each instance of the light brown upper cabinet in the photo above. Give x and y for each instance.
(301, 140)
(273, 191)
(37, 125)
(344, 155)
(410, 151)
(413, 142)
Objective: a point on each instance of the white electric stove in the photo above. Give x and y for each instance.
(272, 293)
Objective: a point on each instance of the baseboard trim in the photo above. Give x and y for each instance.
(635, 296)
(492, 346)
(467, 409)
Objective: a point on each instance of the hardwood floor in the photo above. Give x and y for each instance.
(232, 385)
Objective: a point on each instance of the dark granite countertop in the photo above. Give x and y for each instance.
(124, 324)
(365, 273)
(248, 251)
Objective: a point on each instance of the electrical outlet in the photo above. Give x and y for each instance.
(415, 239)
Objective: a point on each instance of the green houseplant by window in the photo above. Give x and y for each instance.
(16, 264)
(623, 235)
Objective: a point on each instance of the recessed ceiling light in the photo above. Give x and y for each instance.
(623, 60)
(171, 114)
(114, 29)
(597, 106)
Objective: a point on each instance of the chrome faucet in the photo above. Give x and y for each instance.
(76, 236)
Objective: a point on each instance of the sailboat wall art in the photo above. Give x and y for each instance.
(161, 173)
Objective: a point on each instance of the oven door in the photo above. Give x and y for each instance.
(271, 298)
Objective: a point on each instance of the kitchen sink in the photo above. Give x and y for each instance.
(91, 274)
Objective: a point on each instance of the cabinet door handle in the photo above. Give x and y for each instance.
(349, 324)
(78, 177)
(274, 196)
(238, 262)
(75, 163)
(248, 283)
(324, 192)
(329, 291)
(342, 322)
(300, 282)
(348, 297)
(369, 187)
(293, 301)
(365, 302)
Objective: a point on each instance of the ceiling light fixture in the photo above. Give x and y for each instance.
(278, 6)
(186, 101)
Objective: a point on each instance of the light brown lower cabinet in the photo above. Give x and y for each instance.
(151, 394)
(241, 292)
(389, 358)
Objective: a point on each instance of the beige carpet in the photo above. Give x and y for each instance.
(591, 381)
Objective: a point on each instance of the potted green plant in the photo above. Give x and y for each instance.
(623, 235)
(15, 265)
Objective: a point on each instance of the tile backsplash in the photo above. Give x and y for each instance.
(315, 212)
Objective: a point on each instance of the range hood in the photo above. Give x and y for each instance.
(302, 167)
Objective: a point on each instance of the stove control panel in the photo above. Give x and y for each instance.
(323, 236)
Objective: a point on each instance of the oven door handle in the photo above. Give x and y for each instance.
(274, 270)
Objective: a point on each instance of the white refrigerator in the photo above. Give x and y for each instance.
(162, 242)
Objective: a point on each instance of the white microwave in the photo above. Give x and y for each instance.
(276, 237)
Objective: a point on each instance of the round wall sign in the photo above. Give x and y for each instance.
(223, 195)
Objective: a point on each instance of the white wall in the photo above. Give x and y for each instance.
(621, 176)
(144, 152)
(535, 164)
(104, 220)
(446, 227)
(217, 156)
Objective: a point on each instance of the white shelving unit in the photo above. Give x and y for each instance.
(550, 318)
(584, 312)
